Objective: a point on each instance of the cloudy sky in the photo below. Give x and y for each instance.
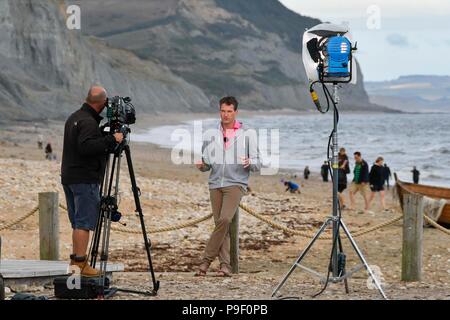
(395, 37)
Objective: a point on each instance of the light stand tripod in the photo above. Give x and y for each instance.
(337, 264)
(108, 213)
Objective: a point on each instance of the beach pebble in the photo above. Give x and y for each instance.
(266, 253)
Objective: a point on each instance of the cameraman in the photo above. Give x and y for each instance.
(83, 163)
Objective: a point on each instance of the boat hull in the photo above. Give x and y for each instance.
(429, 191)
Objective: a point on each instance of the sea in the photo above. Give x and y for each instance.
(403, 140)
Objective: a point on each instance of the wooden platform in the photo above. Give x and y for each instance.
(39, 272)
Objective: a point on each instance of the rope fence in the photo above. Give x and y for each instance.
(310, 235)
(19, 219)
(248, 210)
(436, 225)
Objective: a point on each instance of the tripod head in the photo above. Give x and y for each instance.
(109, 203)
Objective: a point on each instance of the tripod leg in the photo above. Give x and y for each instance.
(342, 251)
(147, 242)
(363, 260)
(107, 221)
(96, 237)
(113, 205)
(301, 256)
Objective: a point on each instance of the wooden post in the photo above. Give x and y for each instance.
(234, 243)
(48, 226)
(412, 237)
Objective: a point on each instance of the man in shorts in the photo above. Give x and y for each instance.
(360, 181)
(82, 168)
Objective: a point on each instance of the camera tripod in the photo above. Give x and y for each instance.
(108, 213)
(337, 263)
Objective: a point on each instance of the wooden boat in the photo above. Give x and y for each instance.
(429, 191)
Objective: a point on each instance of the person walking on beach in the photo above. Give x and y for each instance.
(376, 181)
(360, 181)
(344, 169)
(230, 154)
(416, 174)
(306, 173)
(40, 142)
(82, 168)
(49, 151)
(324, 171)
(387, 175)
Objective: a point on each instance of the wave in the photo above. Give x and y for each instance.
(433, 176)
(374, 139)
(396, 152)
(303, 141)
(437, 149)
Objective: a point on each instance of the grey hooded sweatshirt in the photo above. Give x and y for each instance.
(225, 164)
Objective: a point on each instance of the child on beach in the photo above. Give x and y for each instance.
(292, 187)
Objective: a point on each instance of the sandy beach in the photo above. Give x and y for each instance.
(174, 194)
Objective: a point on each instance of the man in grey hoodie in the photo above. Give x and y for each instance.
(230, 153)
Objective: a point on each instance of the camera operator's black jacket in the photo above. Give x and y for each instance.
(85, 148)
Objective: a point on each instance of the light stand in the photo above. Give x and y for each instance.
(337, 265)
